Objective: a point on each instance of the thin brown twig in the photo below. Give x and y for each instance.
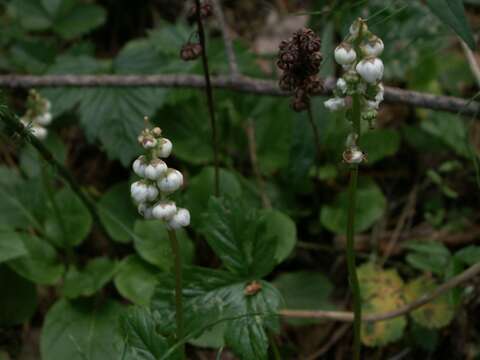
(227, 41)
(347, 316)
(241, 84)
(472, 61)
(337, 335)
(252, 151)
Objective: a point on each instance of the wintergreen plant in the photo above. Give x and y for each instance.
(359, 92)
(38, 115)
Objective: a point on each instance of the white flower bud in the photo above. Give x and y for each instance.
(171, 182)
(342, 86)
(148, 142)
(335, 104)
(164, 210)
(139, 191)
(164, 148)
(371, 70)
(355, 27)
(380, 93)
(180, 219)
(156, 169)
(145, 211)
(39, 132)
(372, 105)
(345, 54)
(373, 47)
(357, 156)
(152, 192)
(44, 119)
(139, 166)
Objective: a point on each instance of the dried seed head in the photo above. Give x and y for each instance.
(190, 51)
(206, 10)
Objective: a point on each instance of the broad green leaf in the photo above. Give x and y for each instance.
(369, 207)
(139, 332)
(31, 14)
(452, 13)
(381, 291)
(303, 290)
(117, 213)
(41, 264)
(469, 255)
(282, 228)
(424, 338)
(19, 298)
(11, 245)
(82, 19)
(212, 297)
(32, 163)
(137, 57)
(430, 256)
(136, 280)
(239, 237)
(79, 330)
(437, 313)
(86, 282)
(380, 143)
(70, 222)
(152, 243)
(202, 187)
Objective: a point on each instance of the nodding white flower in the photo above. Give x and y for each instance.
(380, 93)
(165, 148)
(351, 140)
(146, 211)
(152, 192)
(355, 27)
(44, 119)
(180, 219)
(171, 182)
(39, 132)
(345, 54)
(335, 104)
(353, 155)
(139, 166)
(149, 142)
(342, 86)
(164, 210)
(139, 191)
(156, 169)
(372, 105)
(370, 69)
(373, 47)
(48, 105)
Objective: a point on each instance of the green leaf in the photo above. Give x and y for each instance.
(73, 222)
(380, 143)
(82, 19)
(79, 330)
(430, 256)
(239, 237)
(370, 206)
(304, 290)
(283, 229)
(136, 280)
(19, 298)
(381, 291)
(452, 13)
(435, 314)
(40, 265)
(11, 245)
(32, 163)
(117, 212)
(31, 14)
(139, 332)
(202, 187)
(469, 255)
(153, 245)
(96, 274)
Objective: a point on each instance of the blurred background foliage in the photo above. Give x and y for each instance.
(418, 202)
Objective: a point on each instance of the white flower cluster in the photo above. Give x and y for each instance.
(38, 115)
(158, 181)
(363, 72)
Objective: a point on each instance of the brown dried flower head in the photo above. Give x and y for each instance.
(300, 59)
(206, 10)
(190, 51)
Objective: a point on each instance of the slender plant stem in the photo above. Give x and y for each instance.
(209, 92)
(178, 288)
(316, 134)
(352, 271)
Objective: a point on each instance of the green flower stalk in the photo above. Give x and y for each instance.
(359, 92)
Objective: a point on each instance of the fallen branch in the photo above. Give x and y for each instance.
(346, 316)
(235, 83)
